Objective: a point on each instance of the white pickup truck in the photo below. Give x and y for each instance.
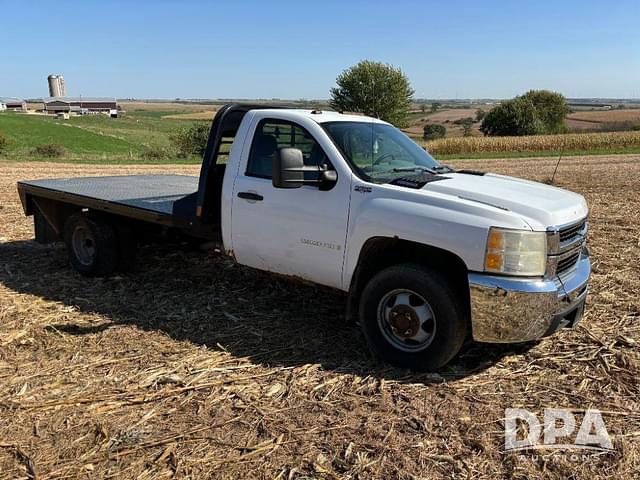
(428, 255)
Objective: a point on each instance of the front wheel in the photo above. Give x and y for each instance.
(412, 318)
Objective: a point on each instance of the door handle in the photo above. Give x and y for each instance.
(250, 196)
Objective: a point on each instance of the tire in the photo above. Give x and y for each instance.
(412, 318)
(92, 245)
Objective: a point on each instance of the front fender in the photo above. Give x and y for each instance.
(458, 226)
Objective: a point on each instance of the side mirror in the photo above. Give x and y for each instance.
(288, 168)
(288, 171)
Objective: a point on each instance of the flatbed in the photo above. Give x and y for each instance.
(164, 199)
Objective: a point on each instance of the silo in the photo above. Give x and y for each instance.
(54, 89)
(56, 86)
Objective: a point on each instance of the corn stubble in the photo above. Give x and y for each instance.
(191, 366)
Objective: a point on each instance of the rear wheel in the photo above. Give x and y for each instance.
(412, 318)
(92, 245)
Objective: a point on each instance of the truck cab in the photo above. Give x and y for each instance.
(428, 255)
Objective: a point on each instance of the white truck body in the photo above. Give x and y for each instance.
(318, 235)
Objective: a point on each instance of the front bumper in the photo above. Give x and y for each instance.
(511, 310)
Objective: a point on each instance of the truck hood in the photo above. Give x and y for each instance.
(538, 204)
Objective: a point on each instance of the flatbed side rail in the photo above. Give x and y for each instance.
(27, 191)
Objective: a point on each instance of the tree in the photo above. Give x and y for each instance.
(192, 140)
(434, 131)
(467, 126)
(50, 150)
(551, 109)
(435, 106)
(375, 89)
(480, 114)
(535, 112)
(512, 117)
(463, 121)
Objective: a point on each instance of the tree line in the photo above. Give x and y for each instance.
(384, 91)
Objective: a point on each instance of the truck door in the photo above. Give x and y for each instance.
(300, 231)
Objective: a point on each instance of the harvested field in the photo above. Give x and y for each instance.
(165, 106)
(191, 366)
(607, 116)
(577, 126)
(605, 120)
(452, 114)
(445, 117)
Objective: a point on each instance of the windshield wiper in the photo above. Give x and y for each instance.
(413, 169)
(433, 171)
(443, 169)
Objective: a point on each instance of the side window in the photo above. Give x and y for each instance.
(270, 135)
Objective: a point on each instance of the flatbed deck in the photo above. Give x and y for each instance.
(160, 198)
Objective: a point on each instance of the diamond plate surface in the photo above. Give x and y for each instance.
(156, 193)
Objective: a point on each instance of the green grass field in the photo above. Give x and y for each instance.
(92, 139)
(25, 132)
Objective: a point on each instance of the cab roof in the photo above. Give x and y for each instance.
(321, 116)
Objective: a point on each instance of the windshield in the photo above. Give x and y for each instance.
(379, 152)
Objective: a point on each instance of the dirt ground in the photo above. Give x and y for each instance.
(191, 366)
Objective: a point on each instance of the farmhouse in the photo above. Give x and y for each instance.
(15, 104)
(81, 105)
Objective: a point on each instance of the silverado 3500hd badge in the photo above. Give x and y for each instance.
(318, 243)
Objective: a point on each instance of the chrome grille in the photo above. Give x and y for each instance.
(568, 262)
(565, 245)
(569, 233)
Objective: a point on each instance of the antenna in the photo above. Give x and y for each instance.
(557, 164)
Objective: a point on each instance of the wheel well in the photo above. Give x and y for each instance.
(379, 253)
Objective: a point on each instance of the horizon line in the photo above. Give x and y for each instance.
(308, 100)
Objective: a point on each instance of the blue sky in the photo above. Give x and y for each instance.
(295, 49)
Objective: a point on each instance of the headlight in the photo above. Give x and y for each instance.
(516, 252)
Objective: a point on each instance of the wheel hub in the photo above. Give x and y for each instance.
(83, 245)
(404, 321)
